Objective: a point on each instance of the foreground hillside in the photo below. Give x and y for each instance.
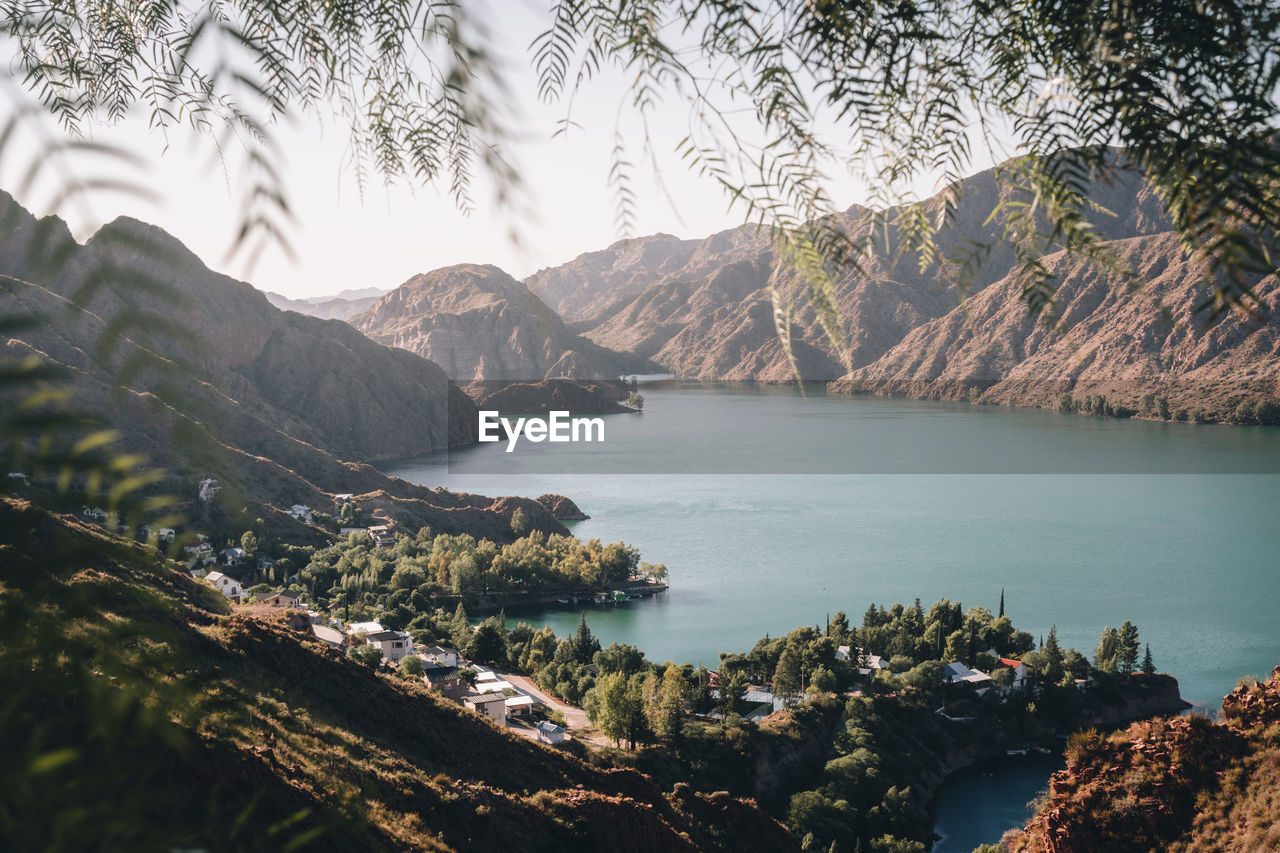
(140, 714)
(1183, 785)
(479, 323)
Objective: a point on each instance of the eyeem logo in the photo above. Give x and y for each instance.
(558, 427)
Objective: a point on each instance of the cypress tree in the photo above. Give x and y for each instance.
(1001, 613)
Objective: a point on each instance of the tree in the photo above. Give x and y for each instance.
(489, 642)
(838, 630)
(1105, 657)
(620, 657)
(732, 687)
(1053, 658)
(664, 702)
(367, 654)
(1129, 648)
(1148, 666)
(786, 677)
(583, 645)
(460, 628)
(1001, 613)
(634, 401)
(616, 705)
(519, 522)
(412, 666)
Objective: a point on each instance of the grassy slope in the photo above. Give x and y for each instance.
(141, 713)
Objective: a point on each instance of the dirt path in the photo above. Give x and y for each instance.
(575, 717)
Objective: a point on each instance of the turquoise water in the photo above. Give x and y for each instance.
(773, 510)
(964, 501)
(978, 805)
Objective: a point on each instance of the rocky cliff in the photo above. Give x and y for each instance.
(1182, 784)
(479, 323)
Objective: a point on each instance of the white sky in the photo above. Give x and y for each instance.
(343, 241)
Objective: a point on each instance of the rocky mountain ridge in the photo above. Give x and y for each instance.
(478, 323)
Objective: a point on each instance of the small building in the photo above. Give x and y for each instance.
(340, 500)
(208, 489)
(233, 556)
(20, 477)
(95, 513)
(364, 627)
(442, 656)
(199, 552)
(1021, 672)
(382, 535)
(166, 535)
(331, 636)
(860, 657)
(491, 705)
(230, 587)
(520, 706)
(958, 673)
(394, 644)
(283, 598)
(302, 512)
(441, 677)
(549, 732)
(493, 686)
(347, 531)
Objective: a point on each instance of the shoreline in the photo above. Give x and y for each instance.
(552, 597)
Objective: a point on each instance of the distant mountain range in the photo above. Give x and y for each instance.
(342, 306)
(702, 309)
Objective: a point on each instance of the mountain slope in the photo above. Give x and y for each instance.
(220, 384)
(214, 730)
(478, 323)
(1108, 340)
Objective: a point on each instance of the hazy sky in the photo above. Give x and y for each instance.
(342, 240)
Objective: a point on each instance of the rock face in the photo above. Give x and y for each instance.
(1183, 784)
(479, 323)
(703, 310)
(562, 508)
(1108, 340)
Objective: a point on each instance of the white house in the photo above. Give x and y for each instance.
(491, 705)
(382, 535)
(283, 598)
(394, 644)
(301, 512)
(208, 489)
(549, 732)
(519, 706)
(199, 551)
(873, 662)
(339, 500)
(230, 587)
(233, 556)
(1021, 672)
(364, 627)
(442, 656)
(958, 673)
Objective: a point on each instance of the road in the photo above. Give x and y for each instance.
(575, 717)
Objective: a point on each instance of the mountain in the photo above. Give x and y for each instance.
(702, 309)
(582, 288)
(1108, 340)
(215, 382)
(341, 307)
(479, 323)
(142, 714)
(1184, 784)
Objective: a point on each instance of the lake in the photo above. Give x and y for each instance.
(774, 509)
